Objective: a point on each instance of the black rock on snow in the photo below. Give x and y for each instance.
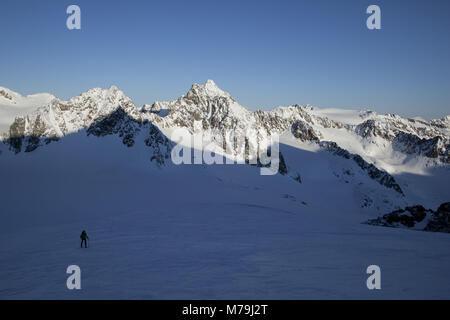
(415, 217)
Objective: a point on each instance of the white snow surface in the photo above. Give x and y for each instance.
(212, 232)
(190, 232)
(347, 116)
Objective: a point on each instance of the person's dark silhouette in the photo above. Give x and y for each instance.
(83, 237)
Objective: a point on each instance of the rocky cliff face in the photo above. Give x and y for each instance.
(417, 217)
(437, 147)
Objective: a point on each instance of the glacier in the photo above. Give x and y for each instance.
(165, 231)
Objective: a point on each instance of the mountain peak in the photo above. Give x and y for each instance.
(210, 83)
(98, 90)
(208, 89)
(212, 87)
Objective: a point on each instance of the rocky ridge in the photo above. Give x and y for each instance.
(209, 110)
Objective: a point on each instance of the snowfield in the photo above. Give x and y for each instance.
(194, 232)
(13, 104)
(162, 231)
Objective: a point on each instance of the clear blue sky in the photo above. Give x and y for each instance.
(265, 53)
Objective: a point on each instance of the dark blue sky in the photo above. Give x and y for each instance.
(265, 53)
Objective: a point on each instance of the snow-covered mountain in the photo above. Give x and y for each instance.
(99, 162)
(12, 104)
(381, 146)
(206, 108)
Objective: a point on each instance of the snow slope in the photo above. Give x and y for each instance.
(162, 231)
(197, 232)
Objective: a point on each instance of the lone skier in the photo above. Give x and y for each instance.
(83, 237)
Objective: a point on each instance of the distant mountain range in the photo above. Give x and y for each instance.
(382, 149)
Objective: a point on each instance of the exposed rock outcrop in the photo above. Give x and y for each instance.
(418, 218)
